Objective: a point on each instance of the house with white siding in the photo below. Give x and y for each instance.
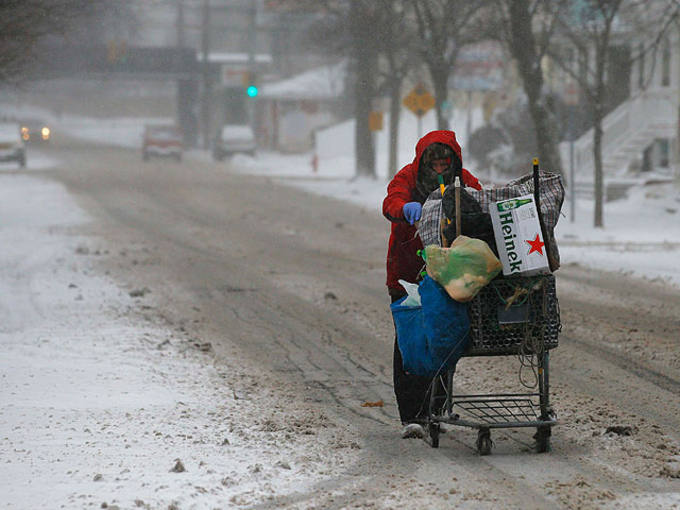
(640, 140)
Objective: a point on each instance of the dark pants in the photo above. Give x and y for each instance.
(411, 390)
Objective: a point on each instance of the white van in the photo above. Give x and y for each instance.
(234, 138)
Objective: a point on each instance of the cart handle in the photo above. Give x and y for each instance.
(537, 199)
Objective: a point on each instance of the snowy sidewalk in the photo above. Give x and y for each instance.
(101, 409)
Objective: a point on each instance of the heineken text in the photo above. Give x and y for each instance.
(508, 237)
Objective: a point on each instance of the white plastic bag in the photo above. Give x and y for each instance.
(413, 298)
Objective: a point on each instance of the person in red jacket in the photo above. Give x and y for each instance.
(437, 153)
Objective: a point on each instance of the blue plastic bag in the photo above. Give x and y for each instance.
(433, 336)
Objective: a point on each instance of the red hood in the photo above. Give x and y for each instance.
(449, 138)
(442, 136)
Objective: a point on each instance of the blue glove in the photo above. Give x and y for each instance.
(412, 212)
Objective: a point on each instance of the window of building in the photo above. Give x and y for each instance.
(641, 66)
(664, 152)
(666, 64)
(647, 159)
(583, 66)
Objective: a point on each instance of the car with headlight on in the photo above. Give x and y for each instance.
(11, 145)
(35, 131)
(163, 141)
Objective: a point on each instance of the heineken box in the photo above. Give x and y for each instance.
(519, 240)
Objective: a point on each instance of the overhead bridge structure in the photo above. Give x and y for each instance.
(118, 61)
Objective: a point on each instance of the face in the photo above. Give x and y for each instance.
(441, 165)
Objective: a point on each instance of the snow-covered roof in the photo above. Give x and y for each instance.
(234, 58)
(327, 82)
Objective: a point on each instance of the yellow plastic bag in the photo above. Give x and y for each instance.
(464, 268)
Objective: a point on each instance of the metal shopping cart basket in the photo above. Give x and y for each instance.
(510, 316)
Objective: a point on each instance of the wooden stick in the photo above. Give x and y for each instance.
(457, 185)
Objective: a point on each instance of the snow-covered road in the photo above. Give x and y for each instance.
(106, 403)
(183, 311)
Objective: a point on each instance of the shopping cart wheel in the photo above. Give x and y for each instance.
(542, 438)
(434, 429)
(484, 442)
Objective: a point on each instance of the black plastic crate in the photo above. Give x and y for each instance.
(530, 323)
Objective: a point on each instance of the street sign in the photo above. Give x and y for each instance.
(571, 93)
(419, 100)
(375, 121)
(479, 67)
(116, 52)
(489, 105)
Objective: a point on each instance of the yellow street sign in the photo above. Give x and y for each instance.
(116, 51)
(419, 100)
(375, 121)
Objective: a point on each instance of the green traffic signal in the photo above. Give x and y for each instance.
(252, 91)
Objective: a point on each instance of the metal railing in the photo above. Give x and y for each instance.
(632, 125)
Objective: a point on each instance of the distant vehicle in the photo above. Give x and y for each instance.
(35, 131)
(11, 145)
(234, 138)
(163, 141)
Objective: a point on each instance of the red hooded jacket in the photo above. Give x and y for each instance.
(402, 261)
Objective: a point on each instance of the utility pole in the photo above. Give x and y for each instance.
(252, 43)
(207, 85)
(677, 133)
(181, 42)
(572, 101)
(185, 119)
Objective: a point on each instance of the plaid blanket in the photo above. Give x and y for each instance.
(430, 220)
(551, 196)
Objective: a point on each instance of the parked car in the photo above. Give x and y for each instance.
(164, 141)
(35, 131)
(11, 145)
(234, 138)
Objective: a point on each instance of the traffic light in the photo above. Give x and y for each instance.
(249, 80)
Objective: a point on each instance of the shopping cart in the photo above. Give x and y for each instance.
(513, 316)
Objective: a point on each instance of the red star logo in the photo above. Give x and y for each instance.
(536, 245)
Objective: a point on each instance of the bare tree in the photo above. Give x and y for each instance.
(397, 49)
(25, 23)
(352, 28)
(526, 28)
(592, 29)
(364, 18)
(444, 27)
